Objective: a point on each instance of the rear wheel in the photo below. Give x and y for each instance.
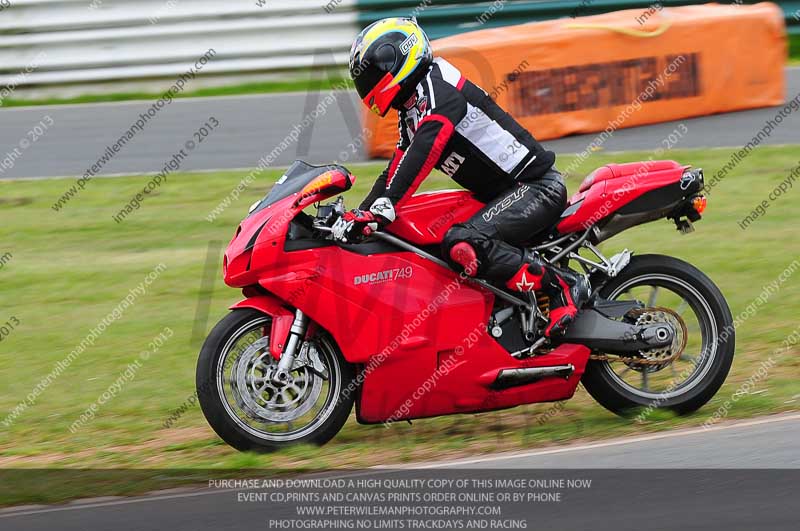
(682, 379)
(247, 409)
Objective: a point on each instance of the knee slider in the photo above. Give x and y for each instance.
(462, 247)
(464, 255)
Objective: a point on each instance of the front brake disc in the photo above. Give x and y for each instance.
(262, 400)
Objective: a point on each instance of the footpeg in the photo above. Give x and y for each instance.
(522, 353)
(618, 262)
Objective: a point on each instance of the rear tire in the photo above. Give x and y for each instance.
(231, 422)
(613, 394)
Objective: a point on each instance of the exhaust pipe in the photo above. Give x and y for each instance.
(508, 378)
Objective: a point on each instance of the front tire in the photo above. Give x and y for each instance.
(713, 341)
(250, 413)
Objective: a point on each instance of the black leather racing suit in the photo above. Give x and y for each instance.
(453, 125)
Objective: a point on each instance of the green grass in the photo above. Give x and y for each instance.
(69, 269)
(794, 48)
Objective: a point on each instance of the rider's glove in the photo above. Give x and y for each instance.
(356, 224)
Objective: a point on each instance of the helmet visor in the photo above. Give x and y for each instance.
(368, 69)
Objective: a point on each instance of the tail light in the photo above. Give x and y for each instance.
(699, 204)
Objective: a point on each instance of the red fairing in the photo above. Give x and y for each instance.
(260, 238)
(609, 188)
(253, 239)
(413, 317)
(399, 317)
(405, 321)
(281, 319)
(400, 388)
(423, 219)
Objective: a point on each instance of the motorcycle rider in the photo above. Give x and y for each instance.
(448, 122)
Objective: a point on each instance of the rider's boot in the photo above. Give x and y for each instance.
(567, 290)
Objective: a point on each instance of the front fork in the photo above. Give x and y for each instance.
(296, 334)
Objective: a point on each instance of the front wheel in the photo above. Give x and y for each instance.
(247, 409)
(686, 377)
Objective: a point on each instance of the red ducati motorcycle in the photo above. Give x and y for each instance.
(387, 325)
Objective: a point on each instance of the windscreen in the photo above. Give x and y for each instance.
(297, 176)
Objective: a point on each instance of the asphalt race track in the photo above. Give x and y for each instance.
(756, 487)
(254, 126)
(732, 447)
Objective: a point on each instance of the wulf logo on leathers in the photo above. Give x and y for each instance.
(507, 201)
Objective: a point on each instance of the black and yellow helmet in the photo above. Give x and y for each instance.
(386, 57)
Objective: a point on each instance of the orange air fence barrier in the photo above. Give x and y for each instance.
(621, 69)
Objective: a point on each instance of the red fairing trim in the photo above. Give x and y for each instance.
(433, 155)
(282, 319)
(398, 156)
(461, 82)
